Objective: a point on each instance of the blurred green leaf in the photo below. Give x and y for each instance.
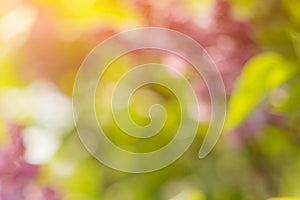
(260, 75)
(292, 8)
(296, 43)
(243, 8)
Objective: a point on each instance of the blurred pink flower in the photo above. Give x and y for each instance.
(227, 40)
(17, 177)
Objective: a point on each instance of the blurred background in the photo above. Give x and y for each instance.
(256, 47)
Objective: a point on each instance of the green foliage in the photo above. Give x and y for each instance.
(259, 77)
(256, 161)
